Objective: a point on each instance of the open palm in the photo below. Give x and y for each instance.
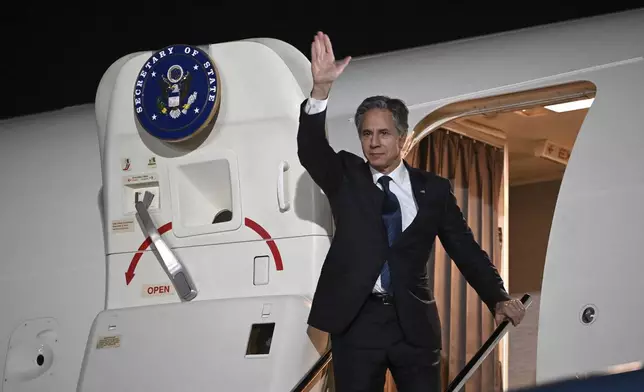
(324, 68)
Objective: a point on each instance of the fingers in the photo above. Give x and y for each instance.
(314, 54)
(322, 44)
(513, 310)
(327, 44)
(323, 60)
(317, 47)
(343, 64)
(519, 308)
(513, 319)
(319, 39)
(501, 317)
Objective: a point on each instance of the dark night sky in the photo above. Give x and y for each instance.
(55, 57)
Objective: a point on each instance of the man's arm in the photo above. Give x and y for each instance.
(313, 149)
(473, 262)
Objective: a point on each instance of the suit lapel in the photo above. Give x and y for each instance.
(418, 187)
(374, 196)
(418, 183)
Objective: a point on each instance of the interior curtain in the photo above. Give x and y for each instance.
(475, 170)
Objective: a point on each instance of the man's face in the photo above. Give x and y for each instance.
(381, 144)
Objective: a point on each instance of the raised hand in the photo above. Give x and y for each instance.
(324, 68)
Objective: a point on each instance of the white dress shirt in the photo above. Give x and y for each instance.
(400, 185)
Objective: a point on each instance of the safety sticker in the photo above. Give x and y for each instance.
(109, 342)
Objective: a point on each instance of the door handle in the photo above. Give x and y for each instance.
(282, 199)
(175, 270)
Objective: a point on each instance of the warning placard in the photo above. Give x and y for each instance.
(123, 226)
(139, 179)
(156, 290)
(109, 342)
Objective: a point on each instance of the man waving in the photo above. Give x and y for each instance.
(373, 294)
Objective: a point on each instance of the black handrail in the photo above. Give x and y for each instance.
(314, 372)
(472, 365)
(457, 383)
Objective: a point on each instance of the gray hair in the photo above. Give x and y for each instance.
(397, 108)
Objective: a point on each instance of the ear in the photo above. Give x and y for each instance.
(402, 141)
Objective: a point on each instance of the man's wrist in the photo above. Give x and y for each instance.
(500, 304)
(321, 91)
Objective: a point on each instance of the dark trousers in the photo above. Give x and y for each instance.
(375, 343)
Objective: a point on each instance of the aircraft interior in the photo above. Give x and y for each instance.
(524, 141)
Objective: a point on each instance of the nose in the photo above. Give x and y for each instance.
(374, 141)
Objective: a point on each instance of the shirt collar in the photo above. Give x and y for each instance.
(399, 175)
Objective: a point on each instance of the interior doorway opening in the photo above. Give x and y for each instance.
(506, 156)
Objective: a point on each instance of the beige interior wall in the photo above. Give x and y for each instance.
(522, 349)
(531, 212)
(530, 217)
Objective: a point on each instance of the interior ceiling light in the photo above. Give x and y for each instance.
(568, 106)
(533, 112)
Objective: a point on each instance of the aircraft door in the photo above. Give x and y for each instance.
(590, 314)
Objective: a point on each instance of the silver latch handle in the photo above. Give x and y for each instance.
(175, 270)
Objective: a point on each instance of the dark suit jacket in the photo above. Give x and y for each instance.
(360, 247)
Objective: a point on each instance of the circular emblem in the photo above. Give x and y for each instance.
(176, 94)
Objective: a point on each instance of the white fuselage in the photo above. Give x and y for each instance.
(70, 286)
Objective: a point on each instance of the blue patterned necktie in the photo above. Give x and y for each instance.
(392, 218)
